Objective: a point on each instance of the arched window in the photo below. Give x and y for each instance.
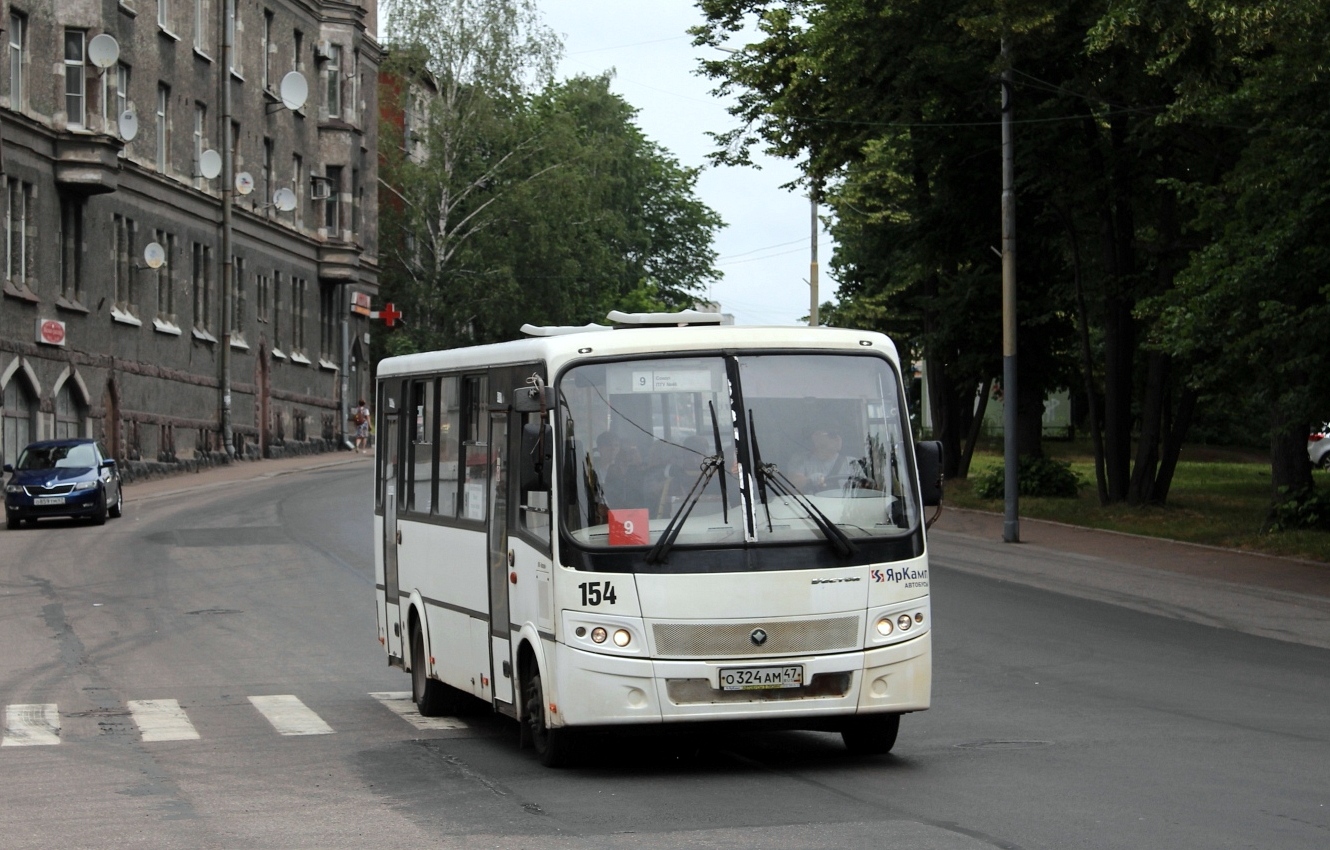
(71, 414)
(19, 416)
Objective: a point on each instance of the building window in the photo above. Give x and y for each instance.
(18, 35)
(299, 289)
(200, 142)
(71, 250)
(76, 87)
(237, 54)
(19, 237)
(298, 186)
(266, 175)
(267, 50)
(298, 44)
(71, 414)
(332, 207)
(277, 312)
(237, 298)
(200, 26)
(262, 298)
(166, 279)
(163, 127)
(334, 71)
(123, 260)
(19, 414)
(327, 322)
(164, 14)
(201, 284)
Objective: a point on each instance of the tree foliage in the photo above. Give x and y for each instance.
(1171, 186)
(519, 199)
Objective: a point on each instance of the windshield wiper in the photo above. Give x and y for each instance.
(710, 465)
(658, 552)
(757, 462)
(785, 487)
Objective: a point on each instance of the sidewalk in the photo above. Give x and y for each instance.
(241, 470)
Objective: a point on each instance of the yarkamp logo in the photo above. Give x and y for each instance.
(758, 637)
(899, 575)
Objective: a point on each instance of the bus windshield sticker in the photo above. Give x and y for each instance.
(671, 381)
(630, 526)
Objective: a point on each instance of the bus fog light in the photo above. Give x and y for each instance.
(598, 634)
(904, 622)
(622, 637)
(884, 626)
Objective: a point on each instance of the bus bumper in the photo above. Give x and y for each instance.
(594, 689)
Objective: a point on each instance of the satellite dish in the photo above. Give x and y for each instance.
(129, 125)
(103, 50)
(244, 183)
(294, 90)
(284, 200)
(154, 255)
(210, 164)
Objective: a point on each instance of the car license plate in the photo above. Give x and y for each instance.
(49, 500)
(761, 678)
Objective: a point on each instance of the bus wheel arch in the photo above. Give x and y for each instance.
(432, 697)
(553, 744)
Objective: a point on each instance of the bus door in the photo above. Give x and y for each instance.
(499, 565)
(392, 618)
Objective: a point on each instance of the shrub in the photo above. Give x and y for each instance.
(1305, 509)
(1037, 476)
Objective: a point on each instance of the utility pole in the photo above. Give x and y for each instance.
(1011, 524)
(812, 265)
(228, 185)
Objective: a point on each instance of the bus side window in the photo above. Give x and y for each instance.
(450, 430)
(534, 502)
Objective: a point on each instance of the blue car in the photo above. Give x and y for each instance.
(63, 478)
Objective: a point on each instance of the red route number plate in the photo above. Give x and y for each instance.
(761, 678)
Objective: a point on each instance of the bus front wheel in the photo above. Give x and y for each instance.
(553, 746)
(432, 697)
(871, 734)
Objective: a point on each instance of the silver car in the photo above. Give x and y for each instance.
(1318, 447)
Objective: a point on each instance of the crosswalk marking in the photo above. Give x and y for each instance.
(162, 720)
(290, 716)
(400, 703)
(31, 725)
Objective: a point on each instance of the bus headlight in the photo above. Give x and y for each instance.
(598, 634)
(904, 622)
(622, 637)
(884, 626)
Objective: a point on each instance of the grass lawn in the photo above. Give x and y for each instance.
(1218, 498)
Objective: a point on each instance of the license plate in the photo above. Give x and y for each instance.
(49, 500)
(761, 678)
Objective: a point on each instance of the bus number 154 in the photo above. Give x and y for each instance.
(595, 592)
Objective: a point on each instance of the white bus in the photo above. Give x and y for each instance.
(644, 524)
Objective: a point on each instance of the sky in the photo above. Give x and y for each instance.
(764, 247)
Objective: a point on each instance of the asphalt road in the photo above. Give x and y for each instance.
(231, 624)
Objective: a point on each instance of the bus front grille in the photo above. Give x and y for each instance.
(747, 640)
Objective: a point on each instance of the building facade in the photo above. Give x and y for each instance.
(121, 318)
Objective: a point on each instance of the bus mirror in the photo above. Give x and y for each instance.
(531, 399)
(929, 456)
(537, 455)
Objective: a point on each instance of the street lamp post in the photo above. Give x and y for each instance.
(1011, 524)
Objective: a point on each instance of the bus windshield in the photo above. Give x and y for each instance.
(670, 454)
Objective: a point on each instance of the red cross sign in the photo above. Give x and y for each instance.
(389, 314)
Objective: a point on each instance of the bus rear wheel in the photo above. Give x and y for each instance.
(553, 746)
(871, 734)
(432, 697)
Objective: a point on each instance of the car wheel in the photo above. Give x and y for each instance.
(432, 697)
(872, 734)
(119, 507)
(554, 747)
(12, 522)
(99, 518)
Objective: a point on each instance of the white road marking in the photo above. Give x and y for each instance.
(290, 716)
(31, 725)
(162, 720)
(400, 703)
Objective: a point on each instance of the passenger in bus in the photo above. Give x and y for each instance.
(619, 471)
(822, 466)
(677, 467)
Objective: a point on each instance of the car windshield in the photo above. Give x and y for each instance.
(748, 450)
(79, 456)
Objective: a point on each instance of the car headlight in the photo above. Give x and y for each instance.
(13, 488)
(85, 485)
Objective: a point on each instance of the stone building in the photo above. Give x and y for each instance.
(109, 148)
